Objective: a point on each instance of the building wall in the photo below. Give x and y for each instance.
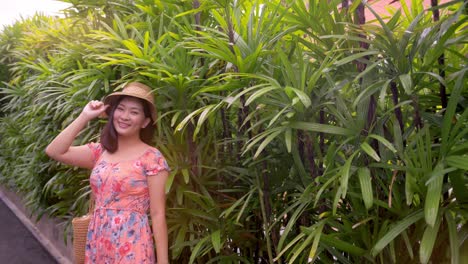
(382, 6)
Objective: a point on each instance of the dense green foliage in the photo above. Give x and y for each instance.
(295, 134)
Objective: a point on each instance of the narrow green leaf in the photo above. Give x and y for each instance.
(188, 118)
(366, 93)
(203, 116)
(298, 251)
(267, 141)
(180, 195)
(396, 230)
(458, 181)
(392, 251)
(231, 100)
(146, 46)
(451, 109)
(355, 57)
(428, 240)
(180, 238)
(406, 82)
(170, 180)
(198, 247)
(337, 199)
(408, 245)
(245, 204)
(410, 182)
(366, 187)
(304, 98)
(315, 243)
(243, 200)
(278, 115)
(288, 139)
(460, 129)
(353, 6)
(317, 127)
(289, 245)
(398, 138)
(131, 45)
(453, 237)
(175, 117)
(259, 93)
(384, 141)
(370, 69)
(345, 173)
(216, 240)
(330, 240)
(186, 175)
(460, 162)
(370, 151)
(324, 187)
(434, 189)
(291, 224)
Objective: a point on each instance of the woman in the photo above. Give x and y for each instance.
(128, 177)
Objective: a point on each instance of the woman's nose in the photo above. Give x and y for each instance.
(125, 115)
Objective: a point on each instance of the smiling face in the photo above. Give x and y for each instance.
(129, 117)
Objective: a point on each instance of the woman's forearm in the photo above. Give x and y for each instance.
(61, 149)
(64, 140)
(160, 238)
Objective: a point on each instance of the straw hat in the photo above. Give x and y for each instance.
(134, 89)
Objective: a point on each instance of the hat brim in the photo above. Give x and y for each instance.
(112, 99)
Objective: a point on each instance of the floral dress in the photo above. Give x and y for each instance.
(119, 230)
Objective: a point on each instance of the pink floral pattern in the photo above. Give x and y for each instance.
(119, 230)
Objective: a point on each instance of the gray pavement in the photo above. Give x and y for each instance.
(17, 244)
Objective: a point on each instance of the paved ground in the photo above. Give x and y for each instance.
(17, 244)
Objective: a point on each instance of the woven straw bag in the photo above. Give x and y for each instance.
(80, 231)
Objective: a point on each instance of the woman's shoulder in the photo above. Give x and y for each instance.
(152, 151)
(94, 145)
(154, 160)
(96, 148)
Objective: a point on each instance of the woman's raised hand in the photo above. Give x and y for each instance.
(61, 148)
(94, 109)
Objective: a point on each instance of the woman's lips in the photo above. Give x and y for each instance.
(123, 125)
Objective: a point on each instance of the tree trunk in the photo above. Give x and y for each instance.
(441, 61)
(311, 157)
(243, 111)
(267, 200)
(344, 4)
(372, 107)
(195, 5)
(361, 19)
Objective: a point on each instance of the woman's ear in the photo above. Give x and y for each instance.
(146, 122)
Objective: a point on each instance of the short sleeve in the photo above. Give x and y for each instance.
(154, 162)
(96, 149)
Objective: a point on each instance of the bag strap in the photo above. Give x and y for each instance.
(91, 204)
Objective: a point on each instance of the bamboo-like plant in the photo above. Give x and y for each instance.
(295, 134)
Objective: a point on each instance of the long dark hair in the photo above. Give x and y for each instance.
(109, 134)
